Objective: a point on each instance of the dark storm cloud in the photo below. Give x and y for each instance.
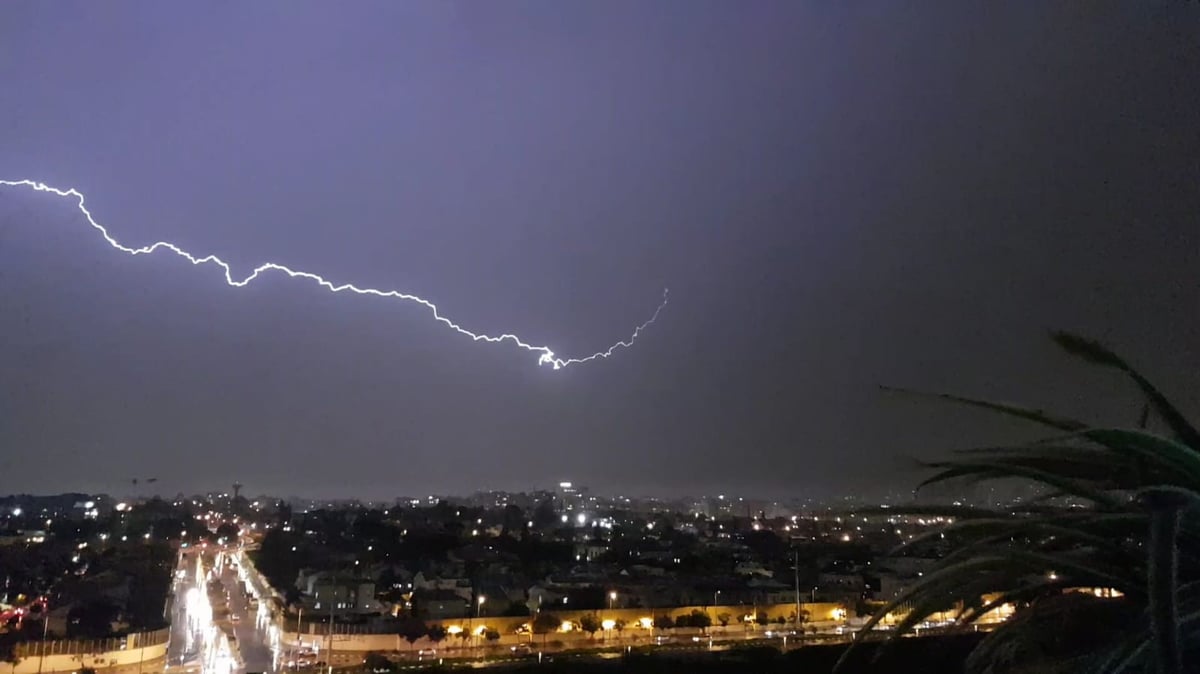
(837, 197)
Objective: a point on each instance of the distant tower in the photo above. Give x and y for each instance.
(237, 490)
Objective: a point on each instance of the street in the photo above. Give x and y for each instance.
(250, 627)
(191, 616)
(214, 629)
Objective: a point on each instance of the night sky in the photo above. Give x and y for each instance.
(837, 197)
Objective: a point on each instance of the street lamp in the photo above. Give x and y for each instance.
(478, 607)
(45, 632)
(612, 597)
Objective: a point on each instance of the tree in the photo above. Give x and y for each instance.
(411, 630)
(436, 633)
(491, 634)
(1103, 510)
(544, 516)
(544, 624)
(762, 619)
(228, 530)
(663, 622)
(698, 618)
(516, 609)
(619, 626)
(799, 618)
(92, 619)
(724, 619)
(589, 623)
(513, 520)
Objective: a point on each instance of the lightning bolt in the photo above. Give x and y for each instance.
(546, 354)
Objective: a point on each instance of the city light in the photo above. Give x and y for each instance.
(546, 357)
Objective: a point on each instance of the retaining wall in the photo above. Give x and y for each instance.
(820, 614)
(70, 655)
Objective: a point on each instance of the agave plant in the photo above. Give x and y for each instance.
(1115, 510)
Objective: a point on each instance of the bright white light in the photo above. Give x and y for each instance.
(581, 518)
(192, 600)
(546, 356)
(122, 507)
(16, 512)
(88, 505)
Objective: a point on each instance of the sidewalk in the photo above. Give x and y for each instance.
(154, 666)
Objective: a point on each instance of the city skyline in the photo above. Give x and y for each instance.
(838, 198)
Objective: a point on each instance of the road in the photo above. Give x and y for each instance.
(255, 635)
(214, 628)
(191, 616)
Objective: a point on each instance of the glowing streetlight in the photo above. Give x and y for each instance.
(612, 597)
